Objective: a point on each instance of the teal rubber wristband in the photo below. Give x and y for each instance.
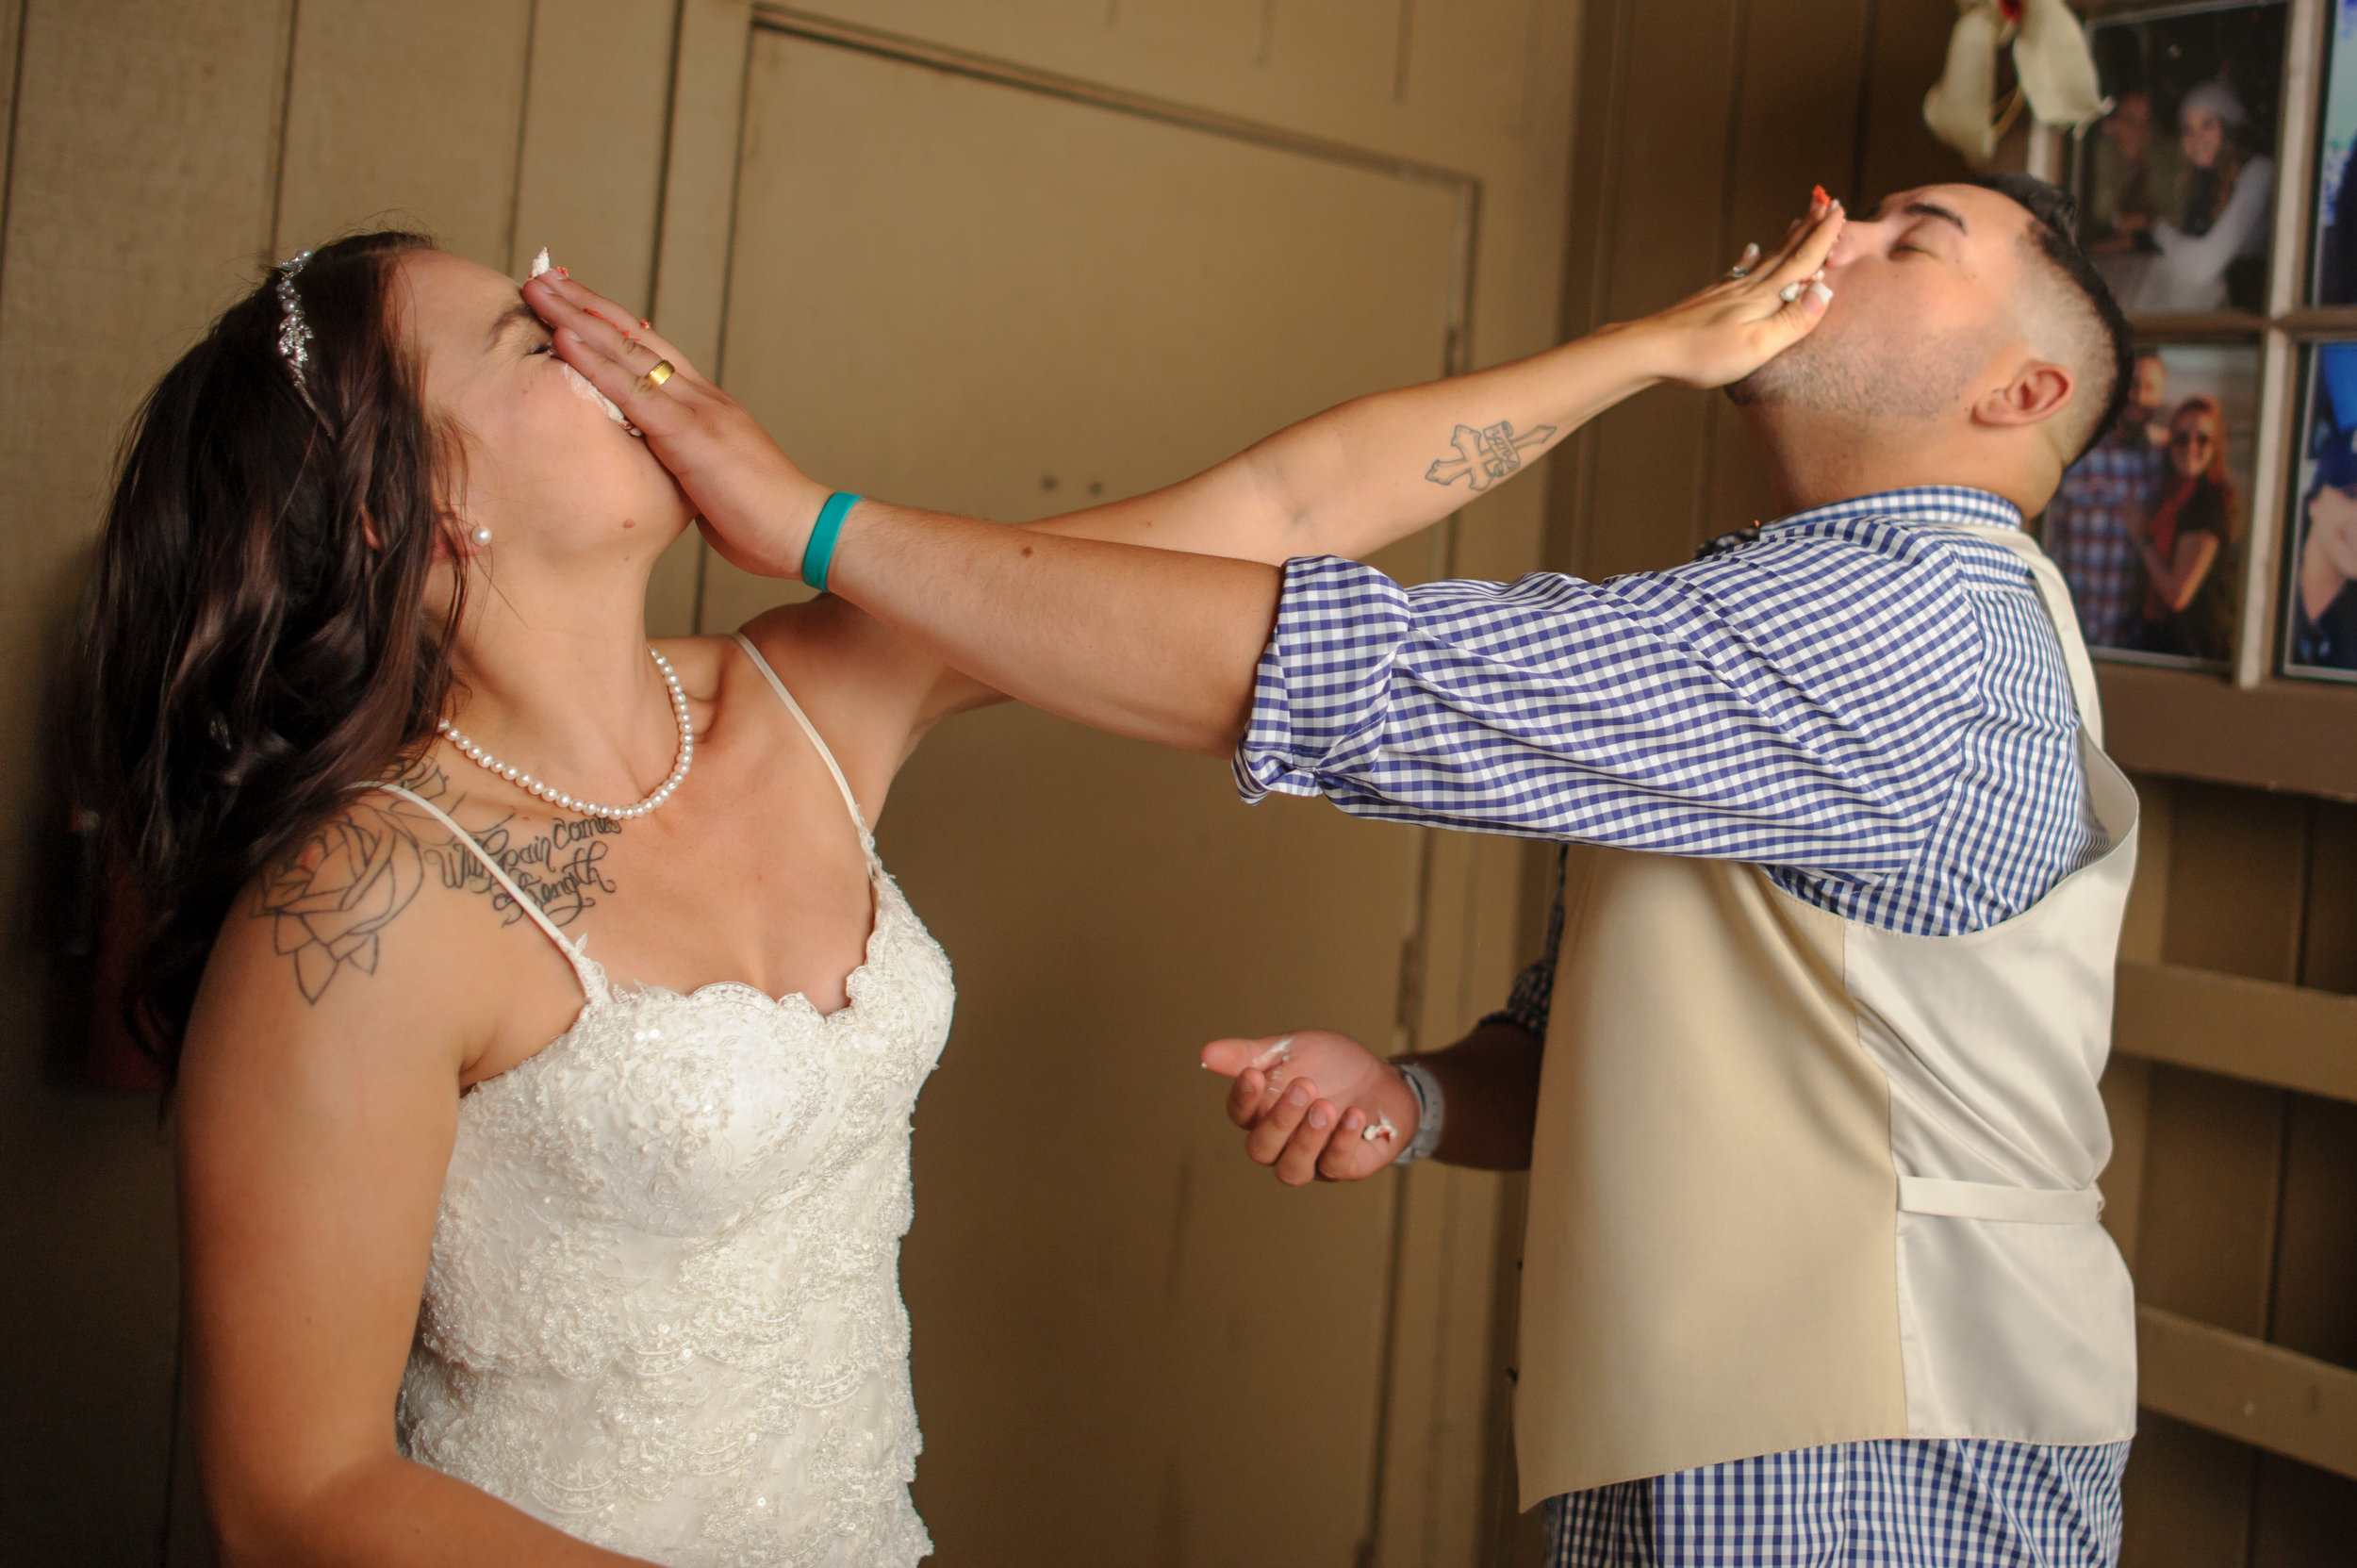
(820, 550)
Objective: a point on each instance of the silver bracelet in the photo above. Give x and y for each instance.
(1431, 1110)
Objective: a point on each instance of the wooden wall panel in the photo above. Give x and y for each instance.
(1663, 236)
(406, 115)
(590, 179)
(2328, 954)
(1796, 125)
(596, 124)
(2303, 1517)
(1471, 58)
(126, 232)
(2209, 1185)
(2187, 1499)
(2236, 854)
(1906, 43)
(2212, 1162)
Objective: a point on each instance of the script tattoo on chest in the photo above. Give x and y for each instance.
(332, 894)
(558, 870)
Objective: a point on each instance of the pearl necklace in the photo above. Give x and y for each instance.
(662, 792)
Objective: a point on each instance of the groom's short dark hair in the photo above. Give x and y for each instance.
(2102, 337)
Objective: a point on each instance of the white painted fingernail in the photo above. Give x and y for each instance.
(1789, 292)
(1824, 295)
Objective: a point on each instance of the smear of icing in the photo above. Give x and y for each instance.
(1278, 1054)
(581, 388)
(578, 382)
(1379, 1127)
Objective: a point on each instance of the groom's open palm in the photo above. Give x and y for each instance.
(1307, 1099)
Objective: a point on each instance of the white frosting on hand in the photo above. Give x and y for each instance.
(539, 263)
(1379, 1127)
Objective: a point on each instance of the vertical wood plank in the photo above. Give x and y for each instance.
(407, 114)
(693, 238)
(1466, 58)
(1909, 43)
(126, 232)
(2328, 952)
(2235, 853)
(2315, 1277)
(1664, 241)
(1595, 177)
(2186, 1498)
(590, 181)
(597, 117)
(2210, 1199)
(1796, 125)
(691, 278)
(2303, 1517)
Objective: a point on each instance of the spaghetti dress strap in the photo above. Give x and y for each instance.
(586, 973)
(867, 839)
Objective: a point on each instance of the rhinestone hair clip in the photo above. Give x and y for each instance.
(294, 333)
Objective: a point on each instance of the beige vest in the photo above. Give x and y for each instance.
(1799, 1181)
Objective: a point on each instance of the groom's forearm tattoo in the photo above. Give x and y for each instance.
(1486, 455)
(332, 895)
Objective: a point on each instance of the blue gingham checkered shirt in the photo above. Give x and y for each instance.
(1863, 697)
(1866, 698)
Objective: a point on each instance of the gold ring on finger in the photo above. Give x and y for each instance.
(659, 372)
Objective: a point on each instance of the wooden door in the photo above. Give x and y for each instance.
(966, 293)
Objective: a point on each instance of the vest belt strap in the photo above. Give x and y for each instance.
(1927, 1195)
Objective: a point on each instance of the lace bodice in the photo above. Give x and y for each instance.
(663, 1310)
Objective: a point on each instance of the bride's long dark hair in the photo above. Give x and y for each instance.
(255, 642)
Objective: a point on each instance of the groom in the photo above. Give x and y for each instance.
(1813, 1267)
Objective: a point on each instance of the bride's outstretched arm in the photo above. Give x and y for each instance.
(1152, 643)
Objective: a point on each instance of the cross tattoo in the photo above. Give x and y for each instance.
(1487, 455)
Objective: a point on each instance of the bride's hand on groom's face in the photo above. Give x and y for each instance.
(1307, 1099)
(756, 506)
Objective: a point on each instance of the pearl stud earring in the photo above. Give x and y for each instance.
(482, 534)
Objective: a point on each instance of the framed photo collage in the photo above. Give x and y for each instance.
(2214, 529)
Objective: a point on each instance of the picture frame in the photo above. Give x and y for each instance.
(2177, 183)
(2319, 619)
(2151, 527)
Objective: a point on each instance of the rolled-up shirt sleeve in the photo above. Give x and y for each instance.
(1797, 701)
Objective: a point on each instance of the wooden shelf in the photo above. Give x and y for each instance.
(2287, 1036)
(2255, 1393)
(2294, 735)
(2198, 325)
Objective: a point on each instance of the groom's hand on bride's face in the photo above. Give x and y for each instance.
(1306, 1102)
(755, 505)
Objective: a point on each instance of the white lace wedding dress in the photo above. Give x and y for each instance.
(664, 1311)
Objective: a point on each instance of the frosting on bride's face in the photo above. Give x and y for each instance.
(547, 469)
(577, 382)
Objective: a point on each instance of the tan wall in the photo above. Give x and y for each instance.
(161, 154)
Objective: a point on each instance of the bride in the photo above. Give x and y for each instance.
(511, 964)
(545, 1027)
